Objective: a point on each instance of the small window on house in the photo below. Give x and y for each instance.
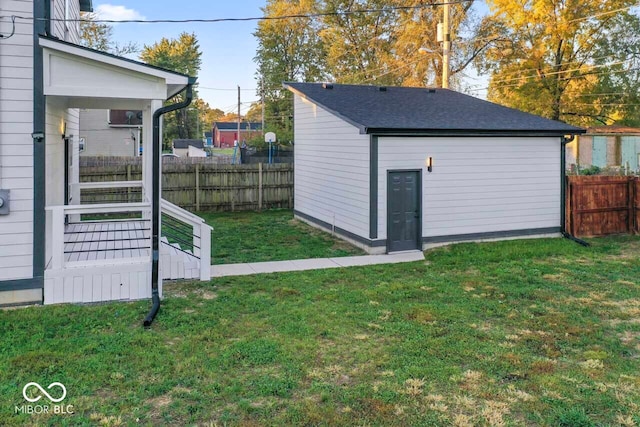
(125, 118)
(81, 144)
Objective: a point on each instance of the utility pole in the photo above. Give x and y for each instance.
(262, 99)
(238, 139)
(446, 46)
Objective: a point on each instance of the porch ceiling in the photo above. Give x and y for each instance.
(87, 78)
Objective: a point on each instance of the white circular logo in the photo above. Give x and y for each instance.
(43, 391)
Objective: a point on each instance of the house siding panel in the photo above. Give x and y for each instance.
(478, 184)
(630, 150)
(16, 145)
(67, 31)
(332, 169)
(104, 140)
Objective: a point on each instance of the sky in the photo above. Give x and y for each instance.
(228, 48)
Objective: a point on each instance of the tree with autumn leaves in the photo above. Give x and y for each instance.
(575, 61)
(569, 60)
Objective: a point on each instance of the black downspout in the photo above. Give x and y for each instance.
(563, 193)
(155, 201)
(47, 18)
(41, 25)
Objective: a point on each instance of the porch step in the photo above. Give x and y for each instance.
(177, 263)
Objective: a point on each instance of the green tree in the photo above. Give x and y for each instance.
(618, 91)
(556, 56)
(418, 28)
(288, 50)
(181, 55)
(99, 36)
(207, 115)
(358, 44)
(255, 112)
(355, 41)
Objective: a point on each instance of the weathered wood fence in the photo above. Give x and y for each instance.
(602, 205)
(202, 186)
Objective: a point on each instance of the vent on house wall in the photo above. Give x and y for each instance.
(327, 85)
(382, 88)
(432, 91)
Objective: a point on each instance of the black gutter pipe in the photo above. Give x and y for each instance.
(47, 18)
(563, 193)
(155, 199)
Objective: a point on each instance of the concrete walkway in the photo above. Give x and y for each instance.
(312, 264)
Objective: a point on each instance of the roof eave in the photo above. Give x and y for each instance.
(360, 126)
(470, 132)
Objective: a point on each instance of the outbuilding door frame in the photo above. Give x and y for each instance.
(418, 237)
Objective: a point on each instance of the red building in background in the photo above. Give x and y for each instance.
(225, 133)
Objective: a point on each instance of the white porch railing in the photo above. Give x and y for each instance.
(108, 184)
(201, 235)
(59, 228)
(70, 234)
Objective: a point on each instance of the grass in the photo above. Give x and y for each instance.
(533, 332)
(269, 236)
(222, 151)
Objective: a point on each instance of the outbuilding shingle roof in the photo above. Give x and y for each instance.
(185, 143)
(234, 126)
(375, 109)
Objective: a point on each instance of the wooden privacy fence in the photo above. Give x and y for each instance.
(602, 205)
(202, 186)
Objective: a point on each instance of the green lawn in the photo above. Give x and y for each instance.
(269, 236)
(222, 151)
(533, 332)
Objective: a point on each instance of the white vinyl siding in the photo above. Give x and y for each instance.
(331, 162)
(479, 184)
(16, 145)
(56, 117)
(104, 140)
(66, 30)
(96, 284)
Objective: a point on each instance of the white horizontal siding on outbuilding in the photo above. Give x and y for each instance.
(496, 171)
(331, 169)
(478, 184)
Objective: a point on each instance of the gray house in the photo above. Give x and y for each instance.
(189, 148)
(110, 133)
(396, 168)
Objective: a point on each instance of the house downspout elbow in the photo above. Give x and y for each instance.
(155, 199)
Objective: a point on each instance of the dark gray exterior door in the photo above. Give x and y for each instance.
(404, 211)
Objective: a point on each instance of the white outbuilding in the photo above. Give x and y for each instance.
(395, 168)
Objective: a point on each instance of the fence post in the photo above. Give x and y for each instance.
(197, 172)
(567, 205)
(260, 186)
(634, 227)
(630, 205)
(129, 179)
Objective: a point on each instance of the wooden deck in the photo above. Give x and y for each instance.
(91, 241)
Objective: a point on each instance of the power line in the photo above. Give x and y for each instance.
(524, 70)
(391, 71)
(557, 72)
(597, 15)
(587, 67)
(254, 18)
(582, 75)
(225, 89)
